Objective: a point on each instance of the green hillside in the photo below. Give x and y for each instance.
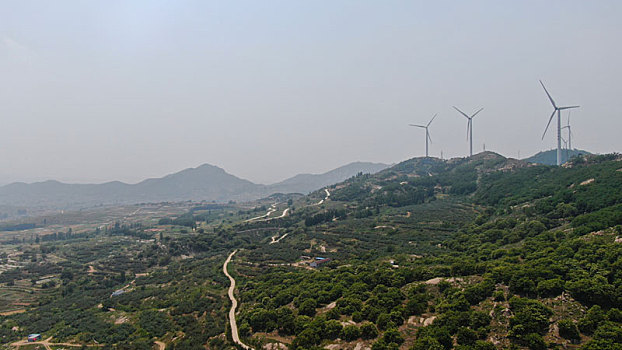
(499, 254)
(476, 253)
(550, 157)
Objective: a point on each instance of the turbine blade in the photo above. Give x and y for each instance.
(468, 128)
(569, 107)
(461, 112)
(547, 125)
(547, 93)
(428, 136)
(473, 116)
(419, 126)
(431, 120)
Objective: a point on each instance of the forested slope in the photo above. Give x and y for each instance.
(535, 264)
(476, 253)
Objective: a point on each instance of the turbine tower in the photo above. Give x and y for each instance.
(569, 132)
(427, 134)
(557, 110)
(469, 127)
(565, 147)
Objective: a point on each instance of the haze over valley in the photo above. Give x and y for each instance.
(204, 183)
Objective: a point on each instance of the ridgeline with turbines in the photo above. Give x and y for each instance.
(562, 153)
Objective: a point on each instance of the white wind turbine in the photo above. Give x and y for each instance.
(569, 132)
(469, 127)
(427, 133)
(557, 110)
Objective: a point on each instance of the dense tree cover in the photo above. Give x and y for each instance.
(531, 237)
(78, 307)
(326, 216)
(584, 187)
(368, 294)
(481, 248)
(398, 188)
(17, 227)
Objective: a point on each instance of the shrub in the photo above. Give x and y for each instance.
(535, 341)
(369, 330)
(568, 330)
(351, 332)
(466, 336)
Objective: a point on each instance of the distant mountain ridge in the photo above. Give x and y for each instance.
(206, 182)
(305, 183)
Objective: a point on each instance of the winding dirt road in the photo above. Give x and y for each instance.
(48, 345)
(325, 199)
(271, 210)
(234, 305)
(275, 240)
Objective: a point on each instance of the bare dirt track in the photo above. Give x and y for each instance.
(234, 305)
(47, 344)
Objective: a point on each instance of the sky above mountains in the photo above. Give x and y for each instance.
(117, 90)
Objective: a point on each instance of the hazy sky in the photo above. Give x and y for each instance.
(125, 90)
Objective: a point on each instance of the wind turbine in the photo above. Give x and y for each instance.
(565, 147)
(469, 127)
(427, 134)
(557, 110)
(569, 132)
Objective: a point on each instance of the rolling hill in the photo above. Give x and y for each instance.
(305, 183)
(550, 157)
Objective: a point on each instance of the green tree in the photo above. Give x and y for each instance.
(333, 329)
(535, 341)
(383, 321)
(306, 339)
(530, 316)
(369, 330)
(155, 323)
(285, 320)
(593, 318)
(393, 336)
(307, 307)
(466, 336)
(351, 332)
(427, 343)
(568, 330)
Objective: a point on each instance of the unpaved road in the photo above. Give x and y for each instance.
(276, 217)
(46, 344)
(271, 210)
(275, 240)
(12, 312)
(284, 213)
(325, 199)
(234, 305)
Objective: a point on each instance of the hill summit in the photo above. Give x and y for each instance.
(550, 157)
